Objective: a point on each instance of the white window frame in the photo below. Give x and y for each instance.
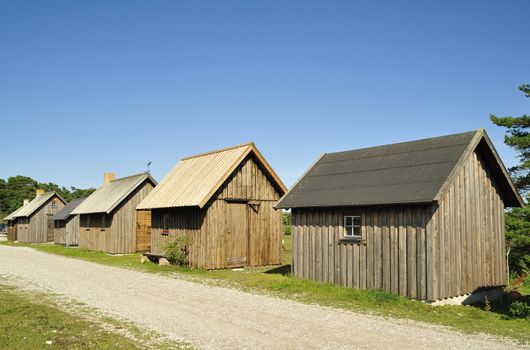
(53, 204)
(353, 226)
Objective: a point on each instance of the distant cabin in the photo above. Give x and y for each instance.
(11, 221)
(423, 219)
(66, 224)
(108, 220)
(223, 202)
(33, 223)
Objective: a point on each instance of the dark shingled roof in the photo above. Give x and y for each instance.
(66, 211)
(409, 172)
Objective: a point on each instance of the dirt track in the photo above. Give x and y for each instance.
(220, 318)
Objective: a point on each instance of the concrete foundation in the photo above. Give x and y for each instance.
(493, 294)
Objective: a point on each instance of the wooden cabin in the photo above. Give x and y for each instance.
(66, 225)
(34, 221)
(11, 221)
(108, 220)
(223, 202)
(422, 219)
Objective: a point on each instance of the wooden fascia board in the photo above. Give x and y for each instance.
(456, 169)
(269, 169)
(480, 134)
(277, 205)
(504, 170)
(224, 177)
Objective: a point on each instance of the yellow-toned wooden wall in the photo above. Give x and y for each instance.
(207, 227)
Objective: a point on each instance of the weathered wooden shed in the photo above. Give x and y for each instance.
(223, 202)
(423, 219)
(108, 220)
(12, 223)
(66, 229)
(34, 221)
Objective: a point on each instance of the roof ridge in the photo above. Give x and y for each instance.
(128, 177)
(250, 143)
(406, 142)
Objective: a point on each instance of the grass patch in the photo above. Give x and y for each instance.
(29, 324)
(277, 281)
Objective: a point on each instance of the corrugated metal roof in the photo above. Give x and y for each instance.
(36, 203)
(409, 172)
(195, 179)
(111, 194)
(66, 211)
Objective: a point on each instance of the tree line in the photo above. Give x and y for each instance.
(15, 189)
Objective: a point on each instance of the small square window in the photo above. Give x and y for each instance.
(54, 205)
(352, 226)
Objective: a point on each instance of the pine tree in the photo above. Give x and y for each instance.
(518, 219)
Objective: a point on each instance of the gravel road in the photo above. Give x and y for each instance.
(222, 318)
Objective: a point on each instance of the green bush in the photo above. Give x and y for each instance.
(519, 309)
(177, 252)
(287, 223)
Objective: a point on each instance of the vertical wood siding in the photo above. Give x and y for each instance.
(207, 227)
(35, 228)
(467, 231)
(422, 252)
(391, 256)
(67, 231)
(119, 234)
(12, 230)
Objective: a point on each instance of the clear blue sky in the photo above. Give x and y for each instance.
(94, 86)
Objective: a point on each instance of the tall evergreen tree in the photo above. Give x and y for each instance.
(518, 219)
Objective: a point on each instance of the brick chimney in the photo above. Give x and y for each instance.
(108, 177)
(39, 192)
(26, 202)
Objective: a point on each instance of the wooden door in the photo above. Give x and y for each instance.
(12, 231)
(143, 230)
(236, 237)
(49, 230)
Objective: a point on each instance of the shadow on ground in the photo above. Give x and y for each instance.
(284, 270)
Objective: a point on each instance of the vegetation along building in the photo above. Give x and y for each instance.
(108, 220)
(424, 219)
(34, 221)
(223, 201)
(67, 224)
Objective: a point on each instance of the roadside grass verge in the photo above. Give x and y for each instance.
(277, 281)
(35, 321)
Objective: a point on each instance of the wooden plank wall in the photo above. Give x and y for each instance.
(59, 232)
(35, 229)
(391, 257)
(12, 231)
(207, 227)
(182, 221)
(119, 235)
(92, 234)
(143, 230)
(467, 235)
(72, 231)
